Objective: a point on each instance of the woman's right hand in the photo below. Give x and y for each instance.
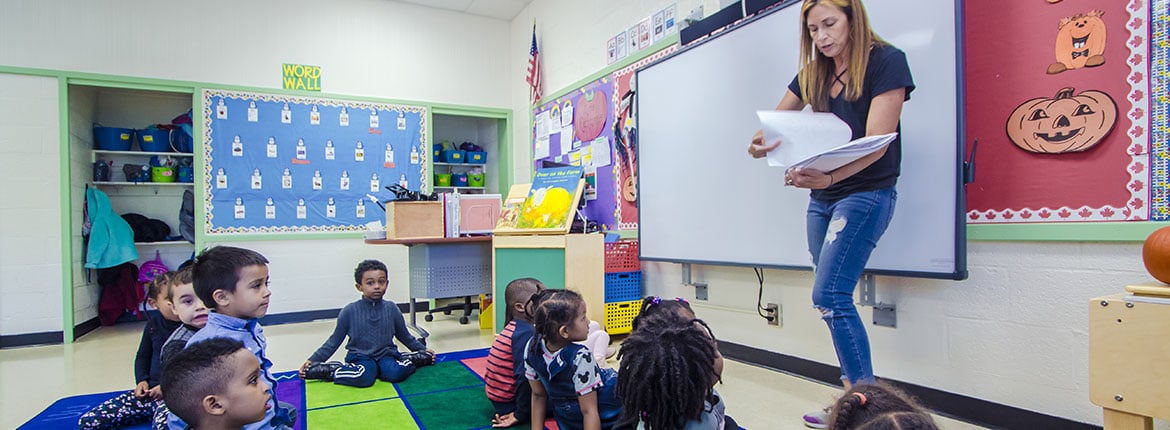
(758, 148)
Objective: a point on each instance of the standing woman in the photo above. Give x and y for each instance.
(848, 70)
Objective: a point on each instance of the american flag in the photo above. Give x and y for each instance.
(533, 77)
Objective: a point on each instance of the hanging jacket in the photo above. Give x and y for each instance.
(111, 241)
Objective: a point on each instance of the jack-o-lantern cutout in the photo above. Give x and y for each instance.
(1080, 42)
(1065, 123)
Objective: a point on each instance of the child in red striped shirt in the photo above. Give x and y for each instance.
(505, 384)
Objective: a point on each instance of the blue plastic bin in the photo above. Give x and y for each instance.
(112, 138)
(476, 157)
(623, 286)
(453, 156)
(154, 140)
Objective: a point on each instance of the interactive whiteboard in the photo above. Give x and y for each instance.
(703, 199)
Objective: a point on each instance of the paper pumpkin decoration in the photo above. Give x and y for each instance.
(1080, 42)
(589, 115)
(1064, 123)
(1156, 254)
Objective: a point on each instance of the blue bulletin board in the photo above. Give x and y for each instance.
(288, 164)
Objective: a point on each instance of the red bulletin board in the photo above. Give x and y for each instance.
(1011, 51)
(625, 170)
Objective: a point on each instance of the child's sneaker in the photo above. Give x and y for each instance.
(322, 370)
(419, 358)
(817, 420)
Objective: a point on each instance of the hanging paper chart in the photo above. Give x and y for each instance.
(288, 164)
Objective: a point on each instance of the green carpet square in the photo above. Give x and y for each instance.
(465, 408)
(383, 414)
(323, 393)
(442, 376)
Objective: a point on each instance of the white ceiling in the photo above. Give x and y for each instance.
(499, 9)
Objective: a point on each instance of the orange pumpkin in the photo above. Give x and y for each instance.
(1065, 123)
(1156, 254)
(1080, 42)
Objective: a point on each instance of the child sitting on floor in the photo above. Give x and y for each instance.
(183, 302)
(216, 384)
(138, 405)
(669, 365)
(233, 282)
(371, 323)
(878, 407)
(504, 381)
(564, 373)
(188, 308)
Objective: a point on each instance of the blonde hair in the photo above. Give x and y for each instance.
(817, 72)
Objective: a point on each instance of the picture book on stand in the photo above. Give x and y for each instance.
(549, 206)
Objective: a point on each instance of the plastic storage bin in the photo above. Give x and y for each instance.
(453, 156)
(619, 316)
(112, 138)
(622, 256)
(476, 157)
(442, 179)
(475, 179)
(438, 152)
(459, 180)
(163, 174)
(154, 140)
(182, 142)
(623, 287)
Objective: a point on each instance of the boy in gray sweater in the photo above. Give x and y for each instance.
(371, 323)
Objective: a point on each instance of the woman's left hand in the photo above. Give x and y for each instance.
(808, 178)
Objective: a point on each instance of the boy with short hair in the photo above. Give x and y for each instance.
(371, 323)
(233, 282)
(188, 307)
(216, 384)
(506, 387)
(184, 305)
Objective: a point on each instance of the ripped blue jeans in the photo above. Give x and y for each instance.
(841, 236)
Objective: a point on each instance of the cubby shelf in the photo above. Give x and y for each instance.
(144, 184)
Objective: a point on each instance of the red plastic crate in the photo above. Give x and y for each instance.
(622, 256)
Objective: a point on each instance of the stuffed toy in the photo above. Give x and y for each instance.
(598, 343)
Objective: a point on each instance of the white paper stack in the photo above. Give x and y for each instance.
(815, 140)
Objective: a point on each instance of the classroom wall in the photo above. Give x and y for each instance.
(1015, 332)
(367, 48)
(318, 274)
(30, 215)
(571, 36)
(374, 48)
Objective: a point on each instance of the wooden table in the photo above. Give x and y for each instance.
(1129, 359)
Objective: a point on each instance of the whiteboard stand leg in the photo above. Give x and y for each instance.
(700, 288)
(884, 314)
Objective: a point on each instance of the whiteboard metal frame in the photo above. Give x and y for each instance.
(959, 271)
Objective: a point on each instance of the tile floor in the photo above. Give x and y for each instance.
(31, 378)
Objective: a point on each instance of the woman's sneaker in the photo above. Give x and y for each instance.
(817, 420)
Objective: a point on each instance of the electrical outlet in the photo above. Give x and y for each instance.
(773, 310)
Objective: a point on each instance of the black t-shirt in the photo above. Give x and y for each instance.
(888, 70)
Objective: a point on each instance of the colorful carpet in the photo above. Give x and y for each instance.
(447, 395)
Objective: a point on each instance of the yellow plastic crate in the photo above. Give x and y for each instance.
(619, 316)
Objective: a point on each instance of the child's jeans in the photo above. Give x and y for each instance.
(568, 411)
(841, 236)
